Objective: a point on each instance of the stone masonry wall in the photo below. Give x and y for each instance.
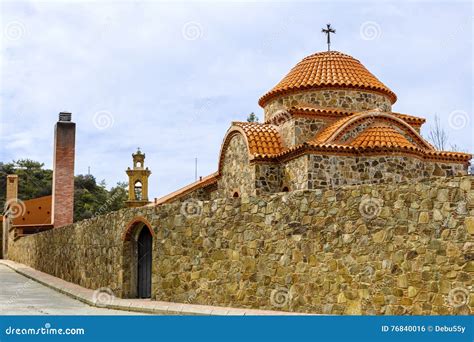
(351, 100)
(337, 170)
(267, 178)
(372, 249)
(1, 237)
(295, 173)
(237, 174)
(88, 253)
(299, 130)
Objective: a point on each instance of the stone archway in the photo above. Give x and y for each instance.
(137, 259)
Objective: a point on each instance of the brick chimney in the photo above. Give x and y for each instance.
(63, 171)
(10, 199)
(12, 188)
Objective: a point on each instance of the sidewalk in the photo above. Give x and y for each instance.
(138, 305)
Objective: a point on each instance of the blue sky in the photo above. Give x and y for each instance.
(170, 77)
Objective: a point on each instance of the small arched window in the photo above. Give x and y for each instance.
(138, 191)
(235, 195)
(285, 189)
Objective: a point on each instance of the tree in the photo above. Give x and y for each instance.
(90, 198)
(117, 196)
(252, 117)
(33, 180)
(438, 135)
(93, 199)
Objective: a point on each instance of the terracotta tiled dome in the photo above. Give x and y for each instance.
(328, 69)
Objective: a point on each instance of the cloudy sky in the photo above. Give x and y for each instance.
(170, 77)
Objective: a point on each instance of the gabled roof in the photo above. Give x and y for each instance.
(382, 133)
(329, 69)
(380, 137)
(323, 112)
(332, 133)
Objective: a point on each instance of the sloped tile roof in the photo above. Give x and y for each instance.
(381, 136)
(336, 112)
(263, 139)
(329, 130)
(328, 69)
(410, 118)
(202, 183)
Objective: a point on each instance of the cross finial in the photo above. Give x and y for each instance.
(328, 32)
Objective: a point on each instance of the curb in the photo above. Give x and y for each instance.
(135, 305)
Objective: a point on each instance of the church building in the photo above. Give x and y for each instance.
(328, 122)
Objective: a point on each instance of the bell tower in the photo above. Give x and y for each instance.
(138, 181)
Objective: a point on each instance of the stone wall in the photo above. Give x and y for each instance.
(324, 170)
(318, 171)
(350, 100)
(1, 237)
(237, 175)
(299, 130)
(267, 178)
(88, 253)
(295, 173)
(370, 249)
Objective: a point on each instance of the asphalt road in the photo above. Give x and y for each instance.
(22, 296)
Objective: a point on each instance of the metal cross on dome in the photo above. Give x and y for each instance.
(328, 32)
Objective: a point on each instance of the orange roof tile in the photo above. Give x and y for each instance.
(329, 130)
(381, 136)
(328, 69)
(316, 111)
(410, 118)
(263, 139)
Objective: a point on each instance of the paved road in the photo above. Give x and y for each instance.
(22, 296)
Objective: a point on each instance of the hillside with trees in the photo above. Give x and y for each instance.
(90, 197)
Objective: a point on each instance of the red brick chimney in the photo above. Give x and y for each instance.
(12, 188)
(63, 171)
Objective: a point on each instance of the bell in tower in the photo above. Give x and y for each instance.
(138, 181)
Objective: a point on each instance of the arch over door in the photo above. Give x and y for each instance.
(144, 247)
